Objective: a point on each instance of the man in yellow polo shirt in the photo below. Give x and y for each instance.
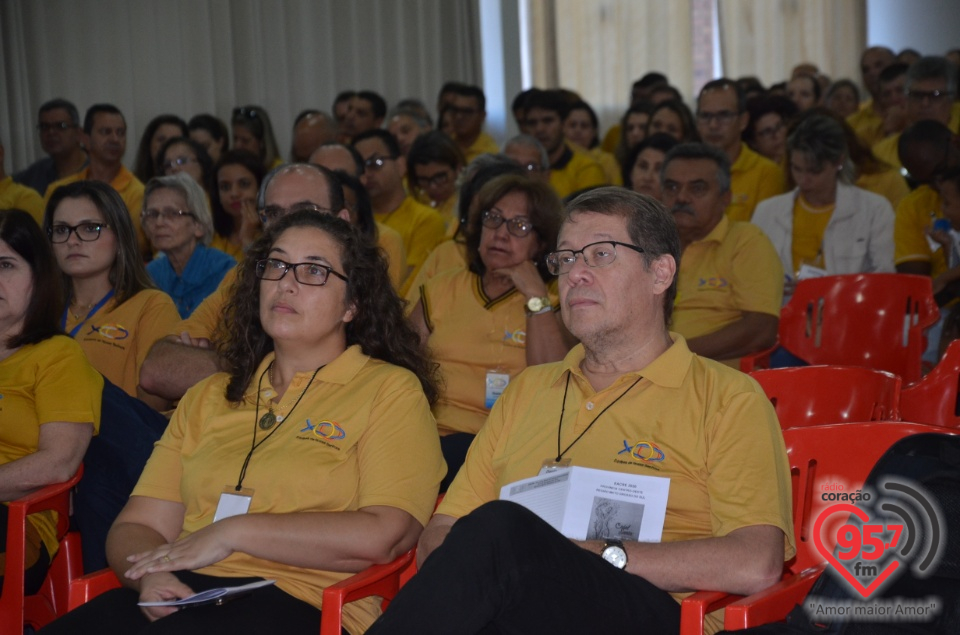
(721, 119)
(188, 354)
(928, 148)
(630, 399)
(571, 169)
(730, 284)
(16, 196)
(105, 138)
(468, 112)
(421, 227)
(868, 121)
(931, 88)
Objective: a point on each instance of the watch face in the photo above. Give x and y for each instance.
(615, 556)
(535, 304)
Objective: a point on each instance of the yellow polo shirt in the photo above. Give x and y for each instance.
(867, 123)
(421, 228)
(223, 244)
(116, 339)
(733, 269)
(484, 144)
(612, 139)
(914, 215)
(361, 436)
(470, 335)
(609, 163)
(708, 428)
(575, 171)
(753, 178)
(131, 191)
(886, 150)
(16, 196)
(50, 381)
(205, 318)
(889, 184)
(391, 242)
(449, 254)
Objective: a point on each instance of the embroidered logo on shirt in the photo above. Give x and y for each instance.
(713, 282)
(329, 430)
(110, 331)
(517, 337)
(646, 451)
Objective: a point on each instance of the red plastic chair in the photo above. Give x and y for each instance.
(85, 588)
(935, 399)
(874, 320)
(759, 360)
(16, 608)
(818, 455)
(817, 395)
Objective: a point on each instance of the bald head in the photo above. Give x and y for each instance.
(338, 157)
(310, 133)
(299, 185)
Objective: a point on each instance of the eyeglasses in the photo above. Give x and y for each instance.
(437, 180)
(771, 131)
(376, 162)
(169, 214)
(519, 226)
(594, 255)
(87, 232)
(532, 167)
(249, 113)
(309, 273)
(273, 212)
(50, 127)
(931, 95)
(723, 117)
(179, 162)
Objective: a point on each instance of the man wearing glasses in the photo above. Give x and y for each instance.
(930, 91)
(180, 360)
(59, 128)
(631, 398)
(468, 112)
(105, 138)
(721, 118)
(421, 227)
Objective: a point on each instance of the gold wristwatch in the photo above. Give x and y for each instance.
(538, 305)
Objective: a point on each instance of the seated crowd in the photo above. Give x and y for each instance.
(454, 317)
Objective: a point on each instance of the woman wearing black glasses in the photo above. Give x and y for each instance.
(253, 132)
(112, 307)
(312, 457)
(487, 322)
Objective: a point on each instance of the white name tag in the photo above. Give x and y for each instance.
(233, 503)
(496, 384)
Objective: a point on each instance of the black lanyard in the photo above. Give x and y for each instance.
(564, 408)
(256, 420)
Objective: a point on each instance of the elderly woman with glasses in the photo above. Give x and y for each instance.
(178, 224)
(486, 322)
(112, 307)
(312, 457)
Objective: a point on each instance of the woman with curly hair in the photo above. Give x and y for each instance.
(312, 457)
(488, 321)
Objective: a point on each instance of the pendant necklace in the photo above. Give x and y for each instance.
(269, 419)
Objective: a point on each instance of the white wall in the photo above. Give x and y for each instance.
(932, 27)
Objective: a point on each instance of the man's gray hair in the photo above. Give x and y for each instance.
(530, 142)
(701, 151)
(933, 67)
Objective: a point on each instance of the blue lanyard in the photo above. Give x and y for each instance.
(96, 307)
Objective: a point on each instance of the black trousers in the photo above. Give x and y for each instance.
(503, 570)
(265, 610)
(454, 448)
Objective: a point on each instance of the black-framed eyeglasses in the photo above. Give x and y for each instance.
(50, 127)
(376, 162)
(247, 113)
(723, 117)
(168, 214)
(312, 274)
(519, 226)
(87, 232)
(169, 164)
(931, 95)
(271, 213)
(599, 254)
(437, 180)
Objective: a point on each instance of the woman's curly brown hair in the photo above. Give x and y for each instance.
(379, 325)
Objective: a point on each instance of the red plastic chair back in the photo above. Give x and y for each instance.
(817, 395)
(874, 320)
(821, 456)
(935, 399)
(50, 602)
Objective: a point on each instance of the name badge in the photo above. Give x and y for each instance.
(553, 465)
(496, 384)
(233, 502)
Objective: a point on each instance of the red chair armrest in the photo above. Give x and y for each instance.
(694, 609)
(85, 588)
(382, 580)
(771, 604)
(758, 360)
